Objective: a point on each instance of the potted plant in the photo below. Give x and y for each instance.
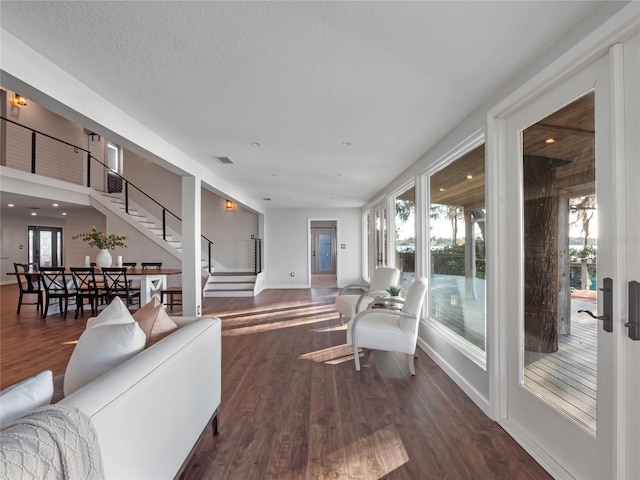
(394, 291)
(100, 239)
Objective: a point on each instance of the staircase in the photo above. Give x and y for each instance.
(230, 284)
(217, 284)
(146, 220)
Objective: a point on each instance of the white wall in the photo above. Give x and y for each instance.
(287, 245)
(45, 121)
(14, 233)
(230, 231)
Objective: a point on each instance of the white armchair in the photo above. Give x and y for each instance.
(382, 278)
(387, 329)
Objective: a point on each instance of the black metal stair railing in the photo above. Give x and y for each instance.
(257, 256)
(30, 150)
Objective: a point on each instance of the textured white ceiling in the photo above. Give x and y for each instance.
(300, 78)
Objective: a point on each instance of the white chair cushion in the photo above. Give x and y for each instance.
(346, 304)
(18, 400)
(382, 331)
(115, 313)
(100, 349)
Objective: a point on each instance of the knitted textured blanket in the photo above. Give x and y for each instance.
(52, 442)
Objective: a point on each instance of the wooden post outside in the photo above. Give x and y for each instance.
(540, 254)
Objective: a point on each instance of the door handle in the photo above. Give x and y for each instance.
(634, 311)
(607, 306)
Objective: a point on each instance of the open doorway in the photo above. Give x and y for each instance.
(322, 253)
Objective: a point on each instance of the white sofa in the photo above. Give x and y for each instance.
(149, 412)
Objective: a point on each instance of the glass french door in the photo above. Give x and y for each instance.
(45, 246)
(561, 207)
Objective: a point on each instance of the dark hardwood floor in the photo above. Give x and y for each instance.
(293, 405)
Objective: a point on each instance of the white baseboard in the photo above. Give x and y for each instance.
(470, 390)
(539, 455)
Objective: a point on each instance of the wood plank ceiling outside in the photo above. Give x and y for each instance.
(573, 131)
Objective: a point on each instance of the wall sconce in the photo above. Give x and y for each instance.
(19, 100)
(228, 204)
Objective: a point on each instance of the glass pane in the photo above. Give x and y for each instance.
(58, 248)
(457, 214)
(405, 237)
(378, 246)
(45, 248)
(30, 246)
(560, 271)
(325, 247)
(113, 157)
(367, 261)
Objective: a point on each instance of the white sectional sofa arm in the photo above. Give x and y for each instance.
(150, 411)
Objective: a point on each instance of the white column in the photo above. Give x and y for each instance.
(191, 275)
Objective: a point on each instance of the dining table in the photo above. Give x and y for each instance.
(152, 281)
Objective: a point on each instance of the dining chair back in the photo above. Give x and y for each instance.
(151, 265)
(116, 284)
(28, 284)
(55, 285)
(134, 285)
(84, 281)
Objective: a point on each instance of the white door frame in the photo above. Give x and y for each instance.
(310, 247)
(620, 27)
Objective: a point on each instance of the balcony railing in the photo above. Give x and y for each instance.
(29, 150)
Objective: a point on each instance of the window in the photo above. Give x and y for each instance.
(114, 157)
(457, 247)
(405, 249)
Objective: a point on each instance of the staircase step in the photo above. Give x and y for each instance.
(227, 293)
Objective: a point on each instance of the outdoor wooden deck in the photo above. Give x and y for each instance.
(567, 378)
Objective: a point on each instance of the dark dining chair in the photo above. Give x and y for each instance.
(29, 284)
(151, 265)
(55, 284)
(84, 281)
(116, 284)
(134, 285)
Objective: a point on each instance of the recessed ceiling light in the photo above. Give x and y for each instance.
(442, 189)
(550, 140)
(33, 214)
(10, 205)
(55, 205)
(64, 213)
(255, 144)
(469, 177)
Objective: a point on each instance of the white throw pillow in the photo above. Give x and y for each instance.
(100, 349)
(18, 400)
(116, 312)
